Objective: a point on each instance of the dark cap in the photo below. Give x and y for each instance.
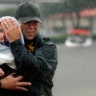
(27, 12)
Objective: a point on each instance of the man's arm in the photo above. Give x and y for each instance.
(45, 57)
(13, 83)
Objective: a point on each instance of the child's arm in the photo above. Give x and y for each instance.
(1, 72)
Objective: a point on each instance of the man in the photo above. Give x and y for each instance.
(36, 60)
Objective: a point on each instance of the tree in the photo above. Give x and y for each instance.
(8, 12)
(48, 9)
(69, 6)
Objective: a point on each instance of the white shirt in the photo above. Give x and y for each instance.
(6, 56)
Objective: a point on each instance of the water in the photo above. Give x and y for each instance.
(76, 71)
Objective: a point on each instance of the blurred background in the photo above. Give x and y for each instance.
(71, 24)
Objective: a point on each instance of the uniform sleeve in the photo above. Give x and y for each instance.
(45, 57)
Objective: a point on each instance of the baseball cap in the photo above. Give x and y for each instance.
(27, 12)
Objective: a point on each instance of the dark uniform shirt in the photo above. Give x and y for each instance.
(36, 61)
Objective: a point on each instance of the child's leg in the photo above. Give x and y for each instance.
(7, 70)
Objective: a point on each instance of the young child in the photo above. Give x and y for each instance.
(7, 65)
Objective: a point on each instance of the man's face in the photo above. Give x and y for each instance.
(29, 29)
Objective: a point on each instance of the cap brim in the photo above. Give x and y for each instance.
(27, 19)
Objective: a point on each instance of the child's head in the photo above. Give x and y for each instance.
(2, 35)
(1, 30)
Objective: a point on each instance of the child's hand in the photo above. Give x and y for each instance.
(1, 72)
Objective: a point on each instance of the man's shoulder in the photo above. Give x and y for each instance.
(48, 46)
(48, 42)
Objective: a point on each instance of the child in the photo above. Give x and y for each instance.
(7, 65)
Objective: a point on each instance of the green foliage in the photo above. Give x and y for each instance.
(94, 37)
(58, 29)
(88, 3)
(8, 12)
(51, 8)
(60, 39)
(68, 6)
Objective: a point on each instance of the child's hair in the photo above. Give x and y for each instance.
(4, 17)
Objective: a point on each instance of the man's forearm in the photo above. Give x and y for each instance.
(13, 83)
(23, 57)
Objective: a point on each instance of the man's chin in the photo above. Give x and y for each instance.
(30, 38)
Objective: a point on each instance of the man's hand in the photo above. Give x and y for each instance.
(14, 83)
(1, 37)
(11, 29)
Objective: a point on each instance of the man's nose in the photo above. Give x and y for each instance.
(31, 25)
